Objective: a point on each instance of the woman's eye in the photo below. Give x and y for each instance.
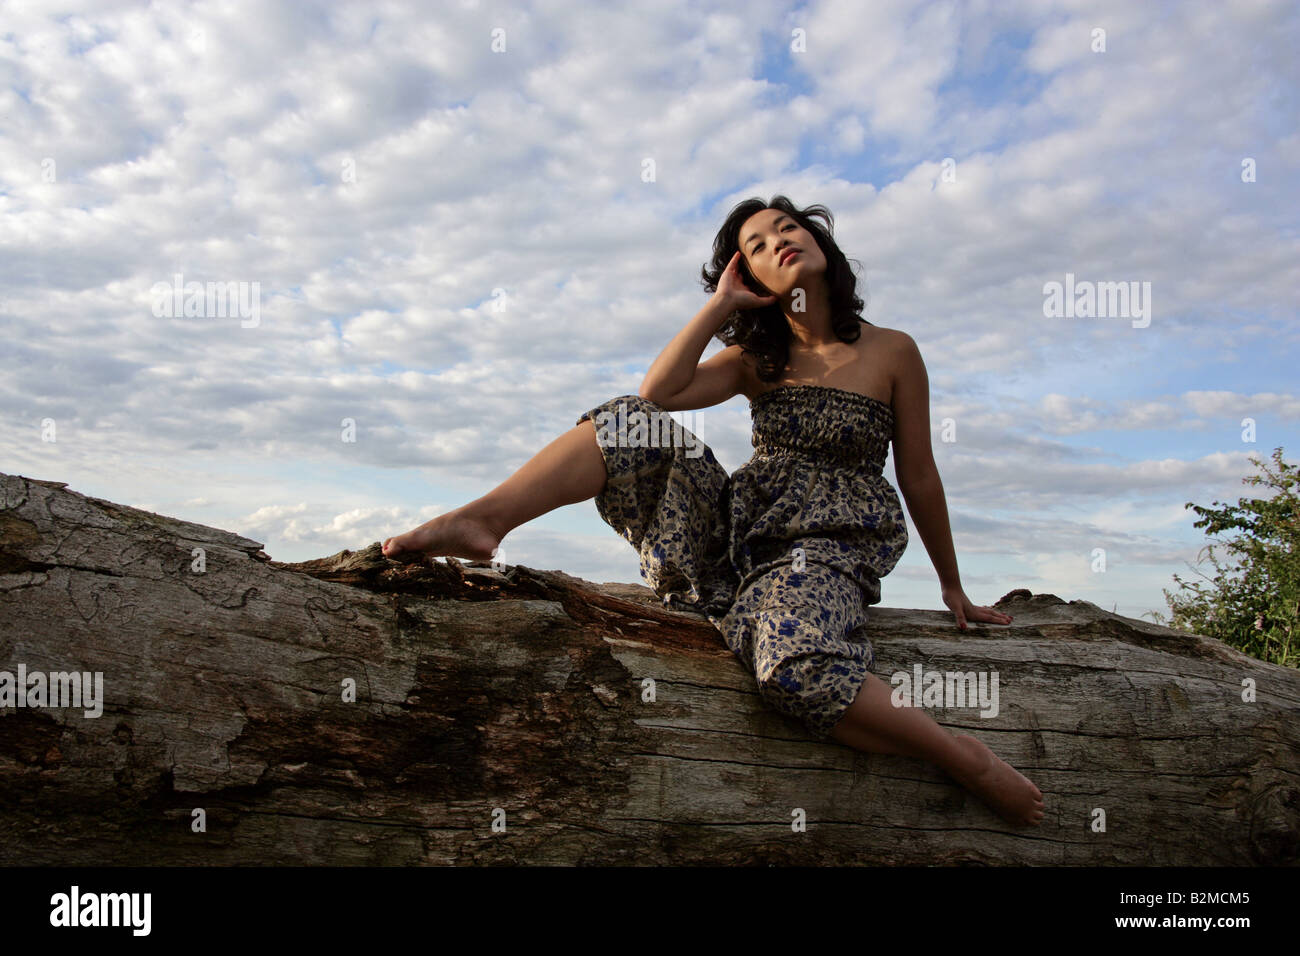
(783, 229)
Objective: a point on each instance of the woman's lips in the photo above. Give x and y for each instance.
(790, 258)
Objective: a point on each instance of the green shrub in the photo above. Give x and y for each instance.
(1253, 604)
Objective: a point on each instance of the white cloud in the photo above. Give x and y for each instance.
(388, 179)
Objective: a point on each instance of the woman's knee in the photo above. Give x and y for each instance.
(619, 409)
(650, 432)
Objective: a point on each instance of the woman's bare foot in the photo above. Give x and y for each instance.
(455, 533)
(1009, 793)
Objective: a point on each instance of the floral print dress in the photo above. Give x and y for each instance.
(785, 554)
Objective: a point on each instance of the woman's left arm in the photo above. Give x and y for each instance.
(918, 479)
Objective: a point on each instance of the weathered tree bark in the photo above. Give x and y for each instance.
(597, 725)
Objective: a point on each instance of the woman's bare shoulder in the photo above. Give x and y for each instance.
(894, 343)
(884, 334)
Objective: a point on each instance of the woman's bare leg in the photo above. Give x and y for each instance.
(568, 470)
(872, 723)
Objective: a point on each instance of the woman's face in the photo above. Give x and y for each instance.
(767, 238)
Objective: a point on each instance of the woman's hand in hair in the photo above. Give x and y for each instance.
(732, 288)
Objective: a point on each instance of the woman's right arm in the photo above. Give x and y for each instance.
(678, 380)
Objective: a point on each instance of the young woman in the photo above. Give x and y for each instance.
(785, 554)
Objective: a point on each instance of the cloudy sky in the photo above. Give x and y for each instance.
(455, 246)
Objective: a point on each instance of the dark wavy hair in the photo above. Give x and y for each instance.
(765, 331)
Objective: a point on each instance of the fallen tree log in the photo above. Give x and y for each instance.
(357, 711)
